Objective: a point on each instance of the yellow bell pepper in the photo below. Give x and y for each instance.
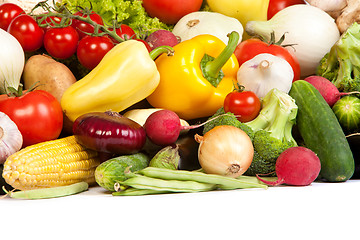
(243, 10)
(195, 80)
(126, 75)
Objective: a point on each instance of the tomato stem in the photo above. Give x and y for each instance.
(66, 17)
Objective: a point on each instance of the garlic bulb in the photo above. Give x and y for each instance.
(265, 72)
(10, 136)
(216, 24)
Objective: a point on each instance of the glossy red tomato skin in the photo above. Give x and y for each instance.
(82, 27)
(249, 48)
(61, 42)
(8, 11)
(277, 5)
(26, 30)
(51, 21)
(245, 104)
(170, 11)
(92, 49)
(37, 114)
(124, 32)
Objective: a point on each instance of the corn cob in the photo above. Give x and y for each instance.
(50, 164)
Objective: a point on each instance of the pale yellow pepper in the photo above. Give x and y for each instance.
(126, 75)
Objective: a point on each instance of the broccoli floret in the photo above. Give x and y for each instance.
(227, 119)
(342, 64)
(270, 131)
(261, 166)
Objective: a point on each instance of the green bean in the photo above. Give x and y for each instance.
(49, 192)
(137, 192)
(222, 182)
(144, 182)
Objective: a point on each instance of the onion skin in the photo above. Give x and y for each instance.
(109, 132)
(225, 150)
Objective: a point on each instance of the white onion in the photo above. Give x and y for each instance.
(216, 24)
(312, 31)
(12, 61)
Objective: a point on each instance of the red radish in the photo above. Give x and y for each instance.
(163, 127)
(161, 38)
(327, 89)
(296, 166)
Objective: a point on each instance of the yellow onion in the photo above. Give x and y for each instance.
(225, 150)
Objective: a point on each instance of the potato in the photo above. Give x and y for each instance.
(49, 74)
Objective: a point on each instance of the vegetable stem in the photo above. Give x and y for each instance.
(66, 17)
(160, 50)
(212, 67)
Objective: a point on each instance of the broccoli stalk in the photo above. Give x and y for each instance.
(342, 64)
(277, 116)
(270, 131)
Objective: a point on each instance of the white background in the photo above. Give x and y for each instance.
(319, 211)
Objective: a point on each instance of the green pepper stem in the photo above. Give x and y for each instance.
(160, 50)
(213, 67)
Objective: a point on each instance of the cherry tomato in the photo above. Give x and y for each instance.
(26, 30)
(51, 21)
(82, 27)
(8, 11)
(61, 42)
(37, 114)
(249, 48)
(170, 11)
(92, 49)
(277, 5)
(125, 32)
(245, 104)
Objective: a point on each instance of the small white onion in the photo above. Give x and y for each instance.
(198, 23)
(10, 137)
(225, 150)
(311, 31)
(12, 61)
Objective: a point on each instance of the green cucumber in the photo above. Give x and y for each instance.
(347, 111)
(322, 133)
(113, 170)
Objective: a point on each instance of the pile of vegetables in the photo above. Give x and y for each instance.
(178, 96)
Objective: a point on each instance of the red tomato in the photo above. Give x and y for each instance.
(61, 42)
(91, 50)
(26, 30)
(51, 21)
(277, 5)
(170, 11)
(8, 11)
(37, 114)
(245, 104)
(82, 27)
(249, 48)
(125, 32)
